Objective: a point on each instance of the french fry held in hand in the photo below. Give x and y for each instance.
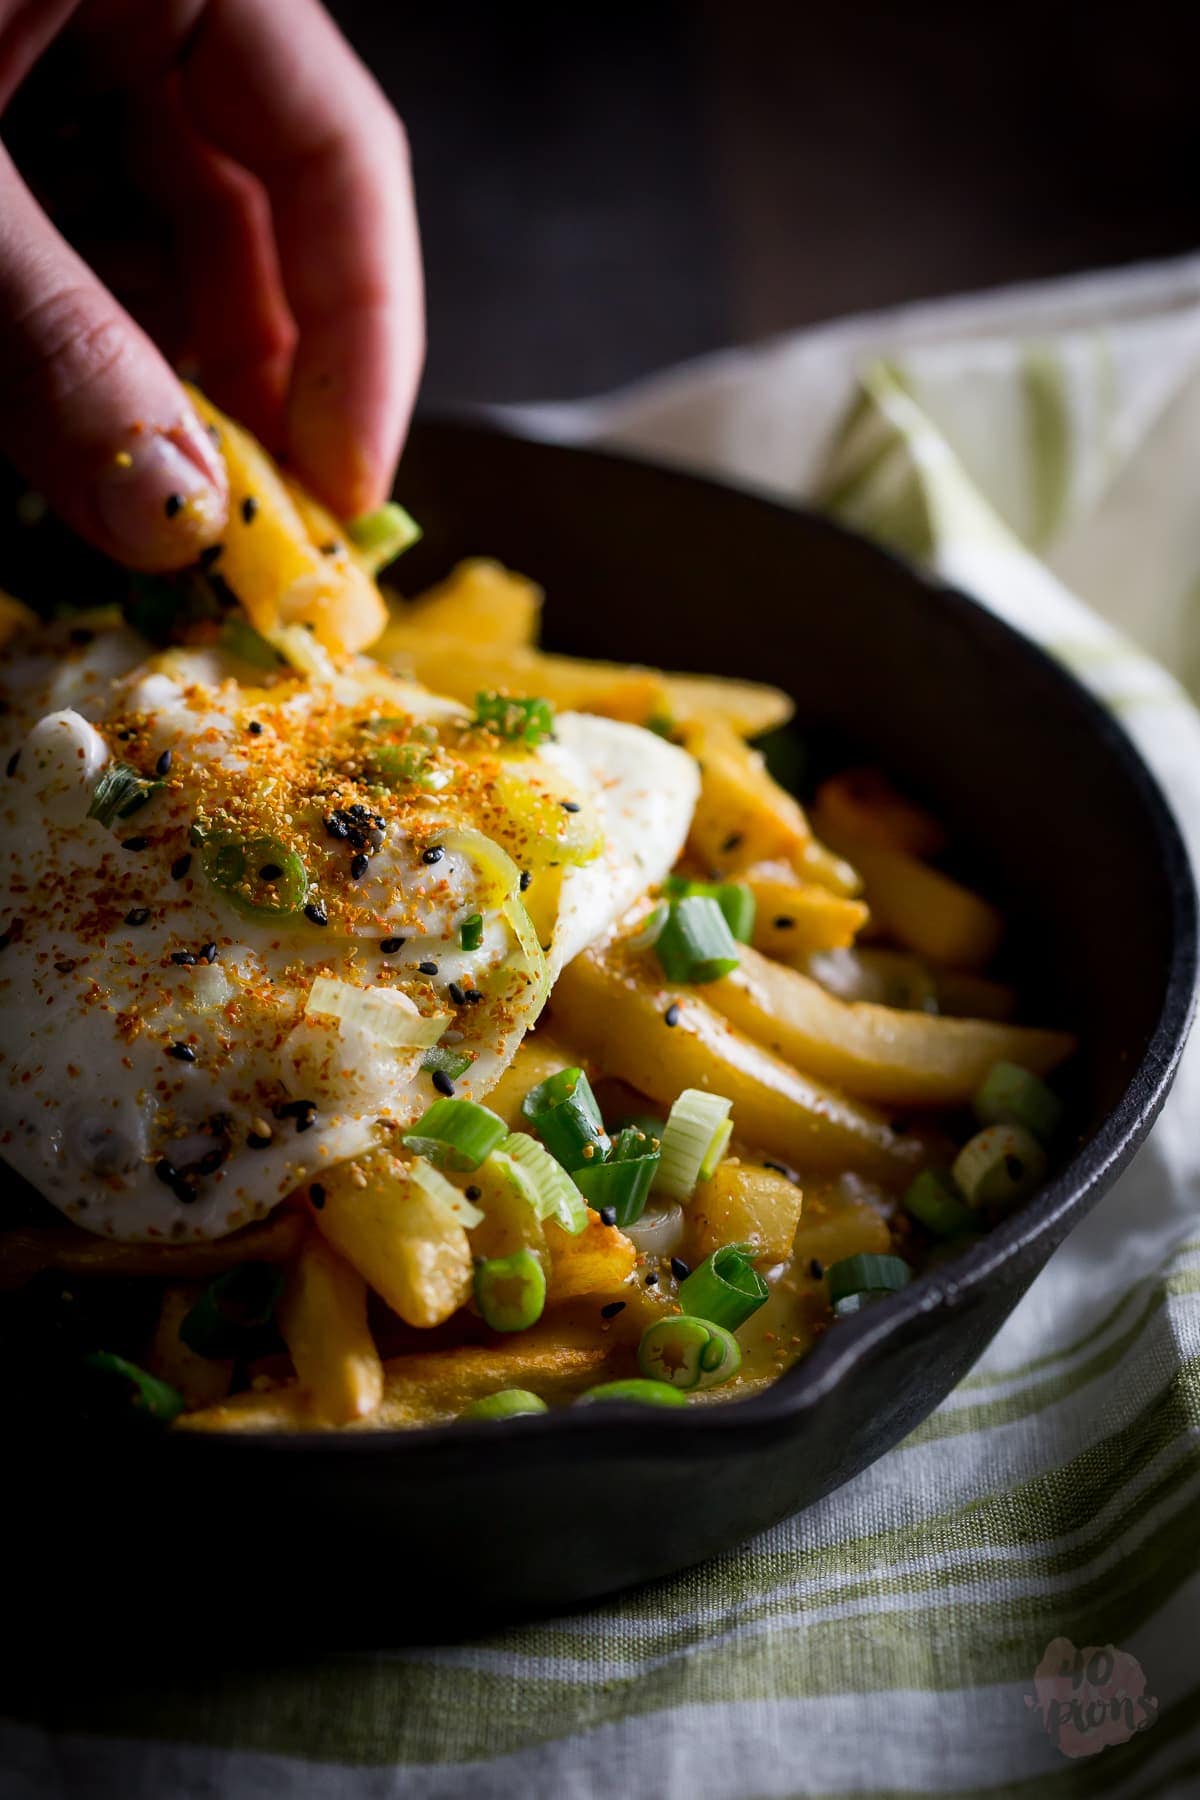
(284, 556)
(744, 1203)
(404, 1243)
(27, 1250)
(598, 1260)
(792, 918)
(875, 1052)
(322, 1315)
(480, 602)
(436, 1385)
(613, 1005)
(202, 1380)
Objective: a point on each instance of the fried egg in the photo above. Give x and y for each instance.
(238, 909)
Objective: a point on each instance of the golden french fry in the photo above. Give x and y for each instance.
(540, 1056)
(403, 1242)
(875, 1052)
(25, 1252)
(509, 1223)
(272, 557)
(744, 1203)
(793, 918)
(322, 1315)
(963, 996)
(835, 1225)
(436, 1385)
(202, 1380)
(480, 602)
(864, 807)
(597, 1261)
(919, 906)
(743, 816)
(750, 707)
(613, 1007)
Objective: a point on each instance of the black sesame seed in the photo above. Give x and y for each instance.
(389, 946)
(457, 996)
(249, 509)
(427, 968)
(671, 1016)
(474, 997)
(210, 555)
(182, 1053)
(652, 1279)
(443, 1083)
(65, 965)
(359, 866)
(134, 843)
(208, 953)
(434, 854)
(608, 1215)
(473, 1193)
(254, 728)
(308, 1121)
(180, 866)
(526, 878)
(732, 842)
(1014, 1168)
(163, 765)
(336, 825)
(166, 1171)
(6, 938)
(816, 1269)
(137, 915)
(10, 768)
(784, 923)
(331, 548)
(679, 1268)
(183, 958)
(779, 1168)
(315, 912)
(256, 1141)
(571, 806)
(316, 1194)
(612, 1309)
(270, 872)
(173, 504)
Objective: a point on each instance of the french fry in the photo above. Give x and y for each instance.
(202, 1380)
(613, 1008)
(480, 602)
(963, 996)
(540, 1056)
(436, 1385)
(744, 1203)
(272, 557)
(793, 918)
(405, 1244)
(509, 1223)
(875, 1052)
(597, 1261)
(322, 1315)
(749, 707)
(743, 816)
(864, 807)
(919, 906)
(15, 616)
(835, 1225)
(28, 1250)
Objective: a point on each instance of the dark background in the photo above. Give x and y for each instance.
(606, 188)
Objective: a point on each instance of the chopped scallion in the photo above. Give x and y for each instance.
(235, 867)
(132, 1387)
(563, 1111)
(934, 1201)
(510, 1291)
(694, 1137)
(440, 1060)
(696, 944)
(726, 1288)
(470, 932)
(1000, 1166)
(119, 793)
(688, 1353)
(633, 1392)
(382, 534)
(551, 1192)
(239, 639)
(509, 1403)
(624, 1181)
(734, 898)
(233, 1310)
(857, 1281)
(1010, 1095)
(529, 722)
(456, 1134)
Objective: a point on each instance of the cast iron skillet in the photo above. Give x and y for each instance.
(391, 1536)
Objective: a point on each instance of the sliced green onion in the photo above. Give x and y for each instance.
(688, 1353)
(624, 1180)
(563, 1111)
(857, 1281)
(716, 1150)
(726, 1288)
(509, 1403)
(434, 1186)
(696, 944)
(1010, 1095)
(239, 638)
(386, 1013)
(529, 722)
(119, 793)
(634, 1392)
(695, 1129)
(442, 1061)
(734, 898)
(935, 1202)
(659, 1231)
(134, 1387)
(650, 1126)
(382, 534)
(470, 932)
(456, 1134)
(394, 764)
(233, 865)
(551, 1192)
(510, 1291)
(647, 934)
(1000, 1166)
(501, 884)
(233, 1310)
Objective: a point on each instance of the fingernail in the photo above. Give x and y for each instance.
(163, 496)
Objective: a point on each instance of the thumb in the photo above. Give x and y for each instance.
(92, 415)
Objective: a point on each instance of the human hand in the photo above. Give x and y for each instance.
(294, 284)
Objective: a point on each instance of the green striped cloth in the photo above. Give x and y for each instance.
(1035, 1545)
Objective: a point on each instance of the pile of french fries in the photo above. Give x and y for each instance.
(376, 1312)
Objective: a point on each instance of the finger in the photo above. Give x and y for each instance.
(93, 416)
(277, 88)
